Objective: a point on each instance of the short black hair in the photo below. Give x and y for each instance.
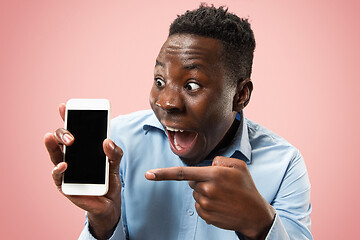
(235, 34)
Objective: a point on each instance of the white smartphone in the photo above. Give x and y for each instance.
(88, 120)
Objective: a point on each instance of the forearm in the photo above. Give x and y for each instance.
(102, 227)
(260, 230)
(262, 233)
(118, 233)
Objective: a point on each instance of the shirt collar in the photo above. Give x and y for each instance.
(152, 122)
(242, 141)
(239, 148)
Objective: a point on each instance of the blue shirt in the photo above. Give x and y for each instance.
(166, 209)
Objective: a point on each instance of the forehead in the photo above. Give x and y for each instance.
(188, 47)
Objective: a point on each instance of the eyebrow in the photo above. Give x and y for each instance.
(187, 66)
(158, 63)
(192, 66)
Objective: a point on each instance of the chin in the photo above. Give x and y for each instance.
(190, 161)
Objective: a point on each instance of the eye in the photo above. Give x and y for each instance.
(159, 82)
(192, 86)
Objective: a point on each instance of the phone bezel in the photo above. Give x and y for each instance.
(80, 188)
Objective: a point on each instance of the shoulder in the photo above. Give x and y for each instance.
(259, 135)
(276, 163)
(136, 118)
(130, 126)
(264, 140)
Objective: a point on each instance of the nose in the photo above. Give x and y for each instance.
(170, 100)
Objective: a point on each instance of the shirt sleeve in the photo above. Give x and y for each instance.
(277, 231)
(118, 233)
(292, 204)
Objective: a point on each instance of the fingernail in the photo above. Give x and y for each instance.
(112, 146)
(150, 175)
(67, 138)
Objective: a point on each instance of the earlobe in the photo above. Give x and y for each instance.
(243, 93)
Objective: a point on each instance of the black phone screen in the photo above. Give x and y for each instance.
(85, 157)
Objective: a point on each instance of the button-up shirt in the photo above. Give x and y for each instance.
(165, 210)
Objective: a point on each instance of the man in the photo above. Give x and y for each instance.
(235, 179)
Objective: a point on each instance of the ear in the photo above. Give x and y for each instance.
(243, 94)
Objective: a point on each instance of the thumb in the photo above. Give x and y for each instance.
(228, 162)
(114, 154)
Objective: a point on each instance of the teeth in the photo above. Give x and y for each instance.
(174, 129)
(177, 146)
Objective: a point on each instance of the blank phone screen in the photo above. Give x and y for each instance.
(85, 157)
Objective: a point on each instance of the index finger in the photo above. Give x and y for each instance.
(179, 174)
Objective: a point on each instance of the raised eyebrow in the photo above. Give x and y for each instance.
(193, 66)
(158, 63)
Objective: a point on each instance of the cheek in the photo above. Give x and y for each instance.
(214, 109)
(225, 105)
(218, 116)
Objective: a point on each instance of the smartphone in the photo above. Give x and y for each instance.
(88, 120)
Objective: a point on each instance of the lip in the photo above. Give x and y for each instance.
(180, 152)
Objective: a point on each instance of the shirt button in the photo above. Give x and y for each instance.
(190, 212)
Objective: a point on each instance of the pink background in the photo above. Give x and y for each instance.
(306, 88)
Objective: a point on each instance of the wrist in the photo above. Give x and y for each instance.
(262, 228)
(102, 226)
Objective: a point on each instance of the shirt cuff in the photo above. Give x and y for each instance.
(118, 233)
(277, 230)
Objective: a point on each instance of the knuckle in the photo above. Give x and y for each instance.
(216, 172)
(208, 190)
(181, 174)
(48, 137)
(217, 160)
(58, 136)
(119, 151)
(205, 204)
(55, 171)
(59, 132)
(241, 166)
(119, 154)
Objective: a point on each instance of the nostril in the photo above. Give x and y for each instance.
(168, 107)
(171, 101)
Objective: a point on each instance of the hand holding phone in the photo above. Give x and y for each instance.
(87, 173)
(103, 211)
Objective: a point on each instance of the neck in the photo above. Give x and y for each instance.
(229, 136)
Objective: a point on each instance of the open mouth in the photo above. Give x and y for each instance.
(181, 141)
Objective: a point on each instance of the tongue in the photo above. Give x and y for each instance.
(184, 139)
